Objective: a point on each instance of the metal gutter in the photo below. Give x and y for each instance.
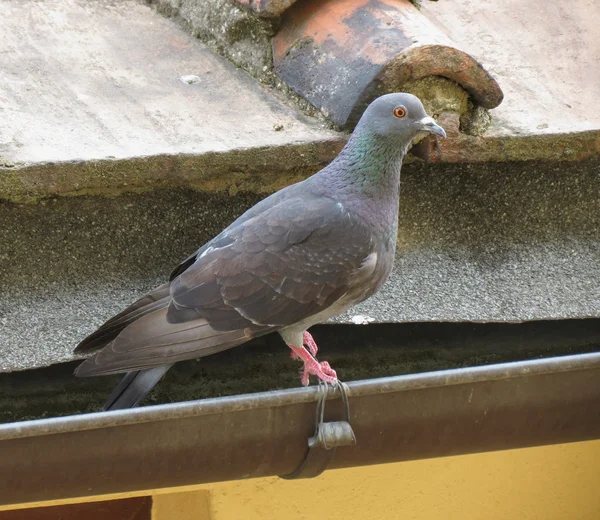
(494, 407)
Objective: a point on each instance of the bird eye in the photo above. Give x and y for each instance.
(400, 112)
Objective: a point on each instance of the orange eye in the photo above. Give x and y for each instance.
(400, 112)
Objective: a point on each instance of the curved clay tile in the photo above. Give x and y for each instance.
(341, 54)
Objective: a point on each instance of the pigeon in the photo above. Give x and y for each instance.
(300, 256)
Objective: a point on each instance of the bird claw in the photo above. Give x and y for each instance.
(322, 369)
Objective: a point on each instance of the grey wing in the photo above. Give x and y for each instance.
(265, 204)
(290, 262)
(276, 269)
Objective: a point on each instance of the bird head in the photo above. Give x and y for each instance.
(400, 117)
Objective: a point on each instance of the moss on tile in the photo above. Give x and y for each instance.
(438, 94)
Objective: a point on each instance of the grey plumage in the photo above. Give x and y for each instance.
(307, 252)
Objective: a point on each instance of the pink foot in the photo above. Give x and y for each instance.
(311, 366)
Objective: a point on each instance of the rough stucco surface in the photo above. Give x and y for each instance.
(492, 242)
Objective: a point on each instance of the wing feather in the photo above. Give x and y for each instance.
(152, 301)
(291, 261)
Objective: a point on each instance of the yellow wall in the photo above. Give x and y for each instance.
(560, 482)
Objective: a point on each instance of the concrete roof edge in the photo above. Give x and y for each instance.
(266, 169)
(261, 169)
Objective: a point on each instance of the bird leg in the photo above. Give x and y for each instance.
(311, 366)
(309, 342)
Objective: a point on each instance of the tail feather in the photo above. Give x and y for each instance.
(133, 387)
(110, 330)
(152, 341)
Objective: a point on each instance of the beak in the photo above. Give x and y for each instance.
(430, 126)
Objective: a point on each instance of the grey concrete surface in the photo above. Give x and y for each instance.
(488, 242)
(84, 81)
(543, 54)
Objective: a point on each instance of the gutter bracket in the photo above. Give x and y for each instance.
(327, 438)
